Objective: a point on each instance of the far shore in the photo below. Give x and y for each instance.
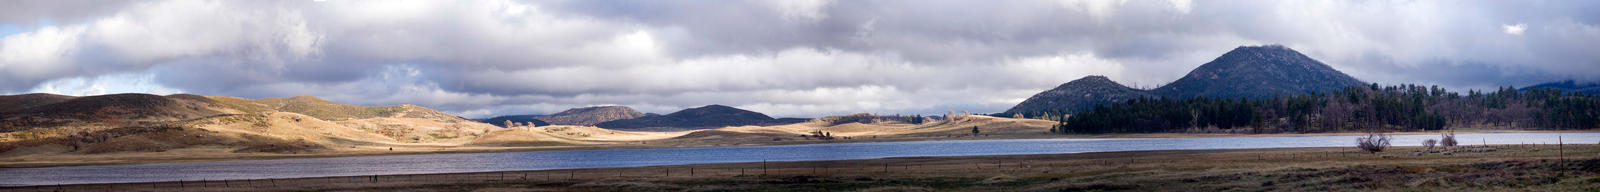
(199, 154)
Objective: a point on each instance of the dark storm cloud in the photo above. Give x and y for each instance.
(788, 58)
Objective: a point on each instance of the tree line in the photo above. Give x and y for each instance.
(1355, 108)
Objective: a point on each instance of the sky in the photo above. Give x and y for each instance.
(785, 58)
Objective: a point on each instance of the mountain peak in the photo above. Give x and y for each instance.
(1246, 71)
(1093, 79)
(1078, 95)
(1265, 47)
(1257, 72)
(590, 115)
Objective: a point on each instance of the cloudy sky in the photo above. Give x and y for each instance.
(799, 58)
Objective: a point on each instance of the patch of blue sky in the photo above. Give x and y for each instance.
(105, 84)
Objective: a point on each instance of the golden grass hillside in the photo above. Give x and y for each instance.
(97, 125)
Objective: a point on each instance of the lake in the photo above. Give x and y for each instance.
(542, 160)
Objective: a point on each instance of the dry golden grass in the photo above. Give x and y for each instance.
(252, 135)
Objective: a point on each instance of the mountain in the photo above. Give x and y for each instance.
(1077, 95)
(1569, 86)
(1258, 72)
(518, 119)
(710, 116)
(590, 115)
(1244, 72)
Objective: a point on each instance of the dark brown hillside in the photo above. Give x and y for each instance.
(590, 115)
(710, 116)
(115, 109)
(18, 102)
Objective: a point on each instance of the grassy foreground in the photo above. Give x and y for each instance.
(1466, 168)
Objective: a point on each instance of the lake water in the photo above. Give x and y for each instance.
(541, 160)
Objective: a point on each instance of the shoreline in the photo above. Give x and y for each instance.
(1252, 169)
(162, 158)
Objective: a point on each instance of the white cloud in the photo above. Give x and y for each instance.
(807, 10)
(1514, 29)
(30, 57)
(1100, 10)
(1182, 6)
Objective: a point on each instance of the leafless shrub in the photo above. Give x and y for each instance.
(1429, 143)
(1449, 139)
(1373, 142)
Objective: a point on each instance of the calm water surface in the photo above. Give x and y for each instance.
(540, 160)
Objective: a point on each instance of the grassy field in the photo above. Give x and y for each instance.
(1466, 168)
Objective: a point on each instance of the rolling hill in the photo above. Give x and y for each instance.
(590, 115)
(1569, 86)
(132, 122)
(109, 110)
(710, 116)
(18, 102)
(517, 119)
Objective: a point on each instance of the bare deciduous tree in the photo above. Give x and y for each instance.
(1373, 142)
(1449, 139)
